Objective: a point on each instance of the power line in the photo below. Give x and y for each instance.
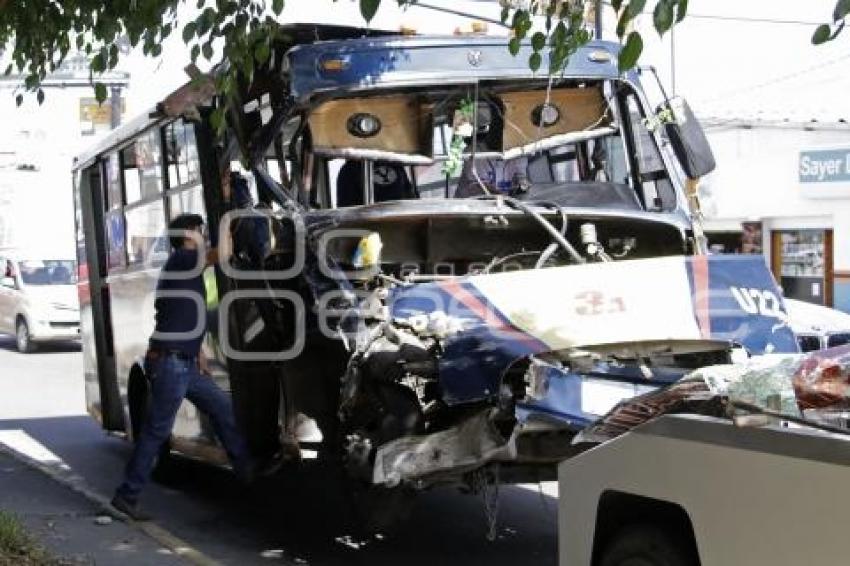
(744, 19)
(752, 20)
(745, 90)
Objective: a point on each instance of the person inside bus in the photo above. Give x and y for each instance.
(177, 367)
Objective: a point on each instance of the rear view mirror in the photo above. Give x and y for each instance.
(8, 282)
(688, 139)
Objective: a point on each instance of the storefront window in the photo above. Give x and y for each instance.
(803, 253)
(803, 269)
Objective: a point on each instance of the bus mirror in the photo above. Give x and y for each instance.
(688, 139)
(8, 282)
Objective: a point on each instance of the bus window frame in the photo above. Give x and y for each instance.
(138, 265)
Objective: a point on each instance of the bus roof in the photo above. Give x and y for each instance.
(385, 62)
(322, 58)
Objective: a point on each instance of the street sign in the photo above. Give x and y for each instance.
(825, 166)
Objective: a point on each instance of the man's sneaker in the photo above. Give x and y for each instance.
(129, 508)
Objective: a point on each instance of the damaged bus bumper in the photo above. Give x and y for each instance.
(521, 362)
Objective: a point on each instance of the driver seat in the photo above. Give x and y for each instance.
(390, 180)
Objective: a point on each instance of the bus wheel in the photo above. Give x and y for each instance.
(23, 340)
(138, 399)
(646, 545)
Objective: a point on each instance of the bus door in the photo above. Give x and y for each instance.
(102, 397)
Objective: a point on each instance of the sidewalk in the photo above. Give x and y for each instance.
(65, 522)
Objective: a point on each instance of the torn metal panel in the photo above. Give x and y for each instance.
(645, 306)
(469, 445)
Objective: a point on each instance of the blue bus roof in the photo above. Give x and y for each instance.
(387, 62)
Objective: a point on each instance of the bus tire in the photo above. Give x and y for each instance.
(23, 338)
(138, 398)
(646, 545)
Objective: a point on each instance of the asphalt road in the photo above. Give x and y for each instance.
(292, 519)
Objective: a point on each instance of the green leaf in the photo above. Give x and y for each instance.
(97, 64)
(196, 50)
(538, 41)
(506, 13)
(842, 8)
(559, 36)
(662, 17)
(682, 11)
(40, 97)
(368, 9)
(208, 51)
(19, 99)
(277, 7)
(189, 31)
(616, 4)
(514, 45)
(9, 69)
(100, 92)
(534, 61)
(622, 23)
(217, 120)
(822, 34)
(205, 21)
(636, 7)
(631, 51)
(262, 52)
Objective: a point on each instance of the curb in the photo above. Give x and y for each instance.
(77, 484)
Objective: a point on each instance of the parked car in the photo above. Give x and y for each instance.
(818, 327)
(38, 299)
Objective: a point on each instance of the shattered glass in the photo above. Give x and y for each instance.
(813, 386)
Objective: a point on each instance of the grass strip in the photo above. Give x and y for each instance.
(17, 547)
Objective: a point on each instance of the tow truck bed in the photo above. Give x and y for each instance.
(723, 494)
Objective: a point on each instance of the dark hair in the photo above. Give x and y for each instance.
(180, 223)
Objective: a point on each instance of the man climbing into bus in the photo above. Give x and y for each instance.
(177, 367)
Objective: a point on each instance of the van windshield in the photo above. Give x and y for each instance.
(47, 272)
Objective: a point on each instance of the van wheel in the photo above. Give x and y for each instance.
(646, 545)
(23, 340)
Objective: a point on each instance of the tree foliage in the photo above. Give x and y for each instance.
(828, 32)
(39, 34)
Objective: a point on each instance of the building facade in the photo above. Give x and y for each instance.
(782, 188)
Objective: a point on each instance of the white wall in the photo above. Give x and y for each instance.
(37, 209)
(757, 178)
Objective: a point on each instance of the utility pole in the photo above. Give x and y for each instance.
(115, 106)
(673, 60)
(597, 11)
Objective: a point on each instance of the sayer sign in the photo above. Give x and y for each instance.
(825, 166)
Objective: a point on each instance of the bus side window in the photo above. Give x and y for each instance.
(185, 193)
(114, 218)
(181, 154)
(145, 227)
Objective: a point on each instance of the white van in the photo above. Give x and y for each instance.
(817, 327)
(38, 299)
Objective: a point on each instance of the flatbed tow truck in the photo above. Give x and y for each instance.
(687, 489)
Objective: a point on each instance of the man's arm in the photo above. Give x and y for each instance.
(212, 257)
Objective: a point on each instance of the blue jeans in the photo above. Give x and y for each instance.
(173, 378)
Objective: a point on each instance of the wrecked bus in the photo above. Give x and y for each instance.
(446, 267)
